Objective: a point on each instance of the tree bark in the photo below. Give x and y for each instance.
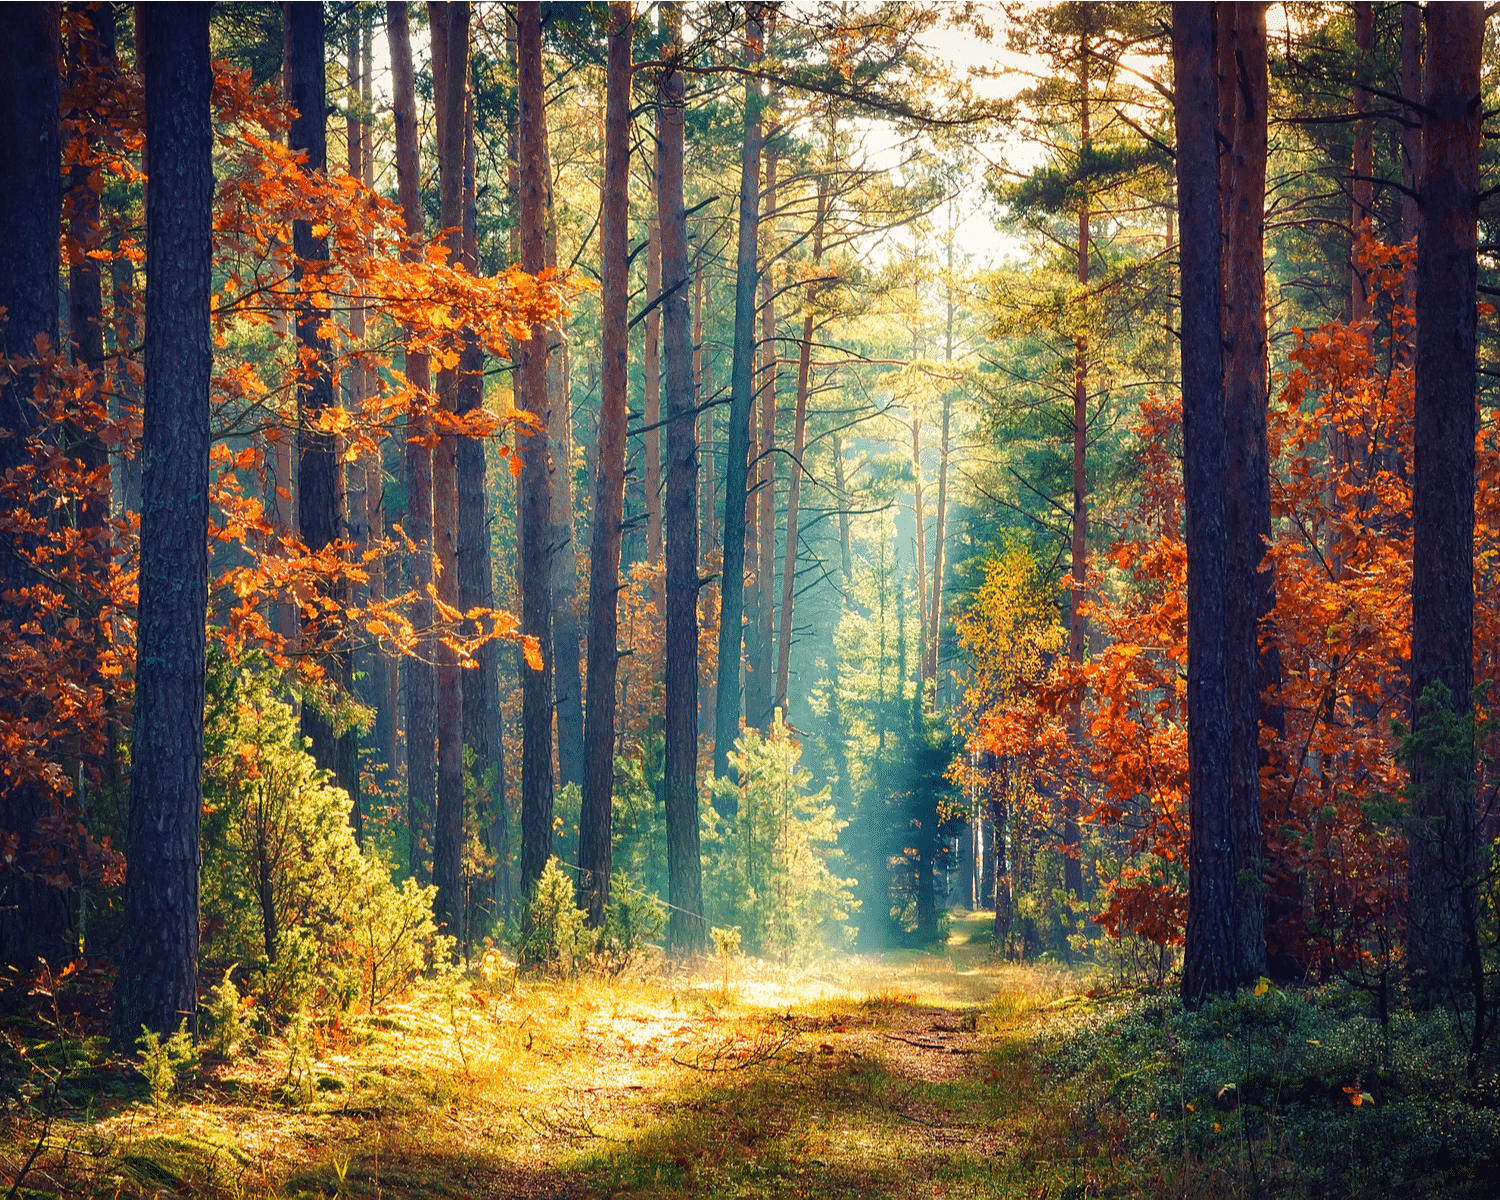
(421, 682)
(1361, 185)
(741, 403)
(594, 830)
(1441, 849)
(759, 647)
(940, 532)
(686, 934)
(1251, 597)
(535, 484)
(651, 367)
(157, 984)
(33, 914)
(1210, 959)
(1077, 622)
(450, 68)
(1411, 158)
(799, 446)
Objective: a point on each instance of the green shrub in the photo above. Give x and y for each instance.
(553, 937)
(770, 868)
(633, 918)
(285, 885)
(162, 1062)
(228, 1024)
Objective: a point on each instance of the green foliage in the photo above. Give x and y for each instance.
(162, 1062)
(228, 1023)
(770, 868)
(285, 886)
(553, 936)
(632, 918)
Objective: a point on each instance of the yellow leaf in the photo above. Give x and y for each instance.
(1263, 986)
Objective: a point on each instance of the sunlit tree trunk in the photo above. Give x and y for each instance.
(1209, 965)
(799, 445)
(651, 367)
(609, 489)
(421, 733)
(760, 628)
(1441, 845)
(534, 483)
(1251, 593)
(157, 982)
(741, 404)
(685, 929)
(450, 61)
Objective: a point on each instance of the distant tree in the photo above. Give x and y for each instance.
(157, 983)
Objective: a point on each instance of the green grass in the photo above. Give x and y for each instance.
(915, 1074)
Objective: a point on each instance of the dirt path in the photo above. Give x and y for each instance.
(880, 1076)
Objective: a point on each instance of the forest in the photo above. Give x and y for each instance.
(749, 599)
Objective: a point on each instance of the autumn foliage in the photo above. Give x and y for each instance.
(1332, 774)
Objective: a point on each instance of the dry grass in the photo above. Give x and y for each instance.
(891, 1076)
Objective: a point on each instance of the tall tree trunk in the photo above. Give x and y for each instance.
(1361, 185)
(741, 403)
(476, 581)
(1251, 596)
(532, 445)
(322, 510)
(799, 446)
(1077, 622)
(940, 532)
(919, 550)
(567, 631)
(157, 984)
(685, 929)
(1209, 965)
(1411, 156)
(358, 383)
(33, 914)
(651, 367)
(421, 681)
(594, 829)
(759, 648)
(841, 493)
(1441, 851)
(450, 70)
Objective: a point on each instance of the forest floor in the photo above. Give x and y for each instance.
(910, 1074)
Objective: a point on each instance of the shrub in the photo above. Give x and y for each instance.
(163, 1061)
(633, 918)
(285, 885)
(552, 936)
(769, 868)
(228, 1024)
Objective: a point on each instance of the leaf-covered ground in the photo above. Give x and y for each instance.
(908, 1075)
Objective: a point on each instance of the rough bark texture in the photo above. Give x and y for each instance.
(742, 396)
(157, 985)
(1361, 187)
(421, 733)
(651, 368)
(1209, 965)
(322, 514)
(1251, 596)
(450, 62)
(686, 933)
(33, 915)
(1077, 622)
(535, 486)
(594, 831)
(1440, 872)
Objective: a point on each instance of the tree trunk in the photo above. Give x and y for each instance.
(940, 532)
(157, 984)
(594, 830)
(840, 489)
(1211, 957)
(651, 367)
(1077, 622)
(760, 678)
(535, 484)
(33, 914)
(799, 446)
(421, 683)
(450, 68)
(1441, 851)
(1251, 597)
(1361, 185)
(686, 934)
(1411, 157)
(741, 403)
(919, 551)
